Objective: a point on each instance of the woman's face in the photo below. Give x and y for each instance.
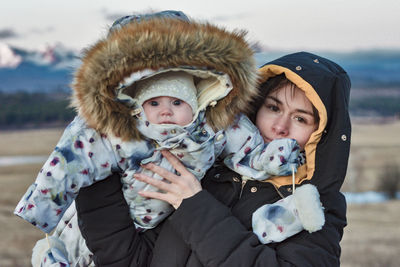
(286, 113)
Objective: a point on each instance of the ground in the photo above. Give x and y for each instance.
(372, 237)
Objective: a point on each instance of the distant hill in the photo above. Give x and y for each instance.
(375, 79)
(49, 70)
(367, 69)
(375, 75)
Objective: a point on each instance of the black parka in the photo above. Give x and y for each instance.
(213, 228)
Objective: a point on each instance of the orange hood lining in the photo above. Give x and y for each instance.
(304, 172)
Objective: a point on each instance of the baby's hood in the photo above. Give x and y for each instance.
(327, 86)
(148, 46)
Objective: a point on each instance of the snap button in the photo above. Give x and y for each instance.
(298, 68)
(235, 179)
(289, 189)
(213, 103)
(173, 131)
(217, 176)
(203, 131)
(316, 60)
(344, 137)
(253, 189)
(219, 137)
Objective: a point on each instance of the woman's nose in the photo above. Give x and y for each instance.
(281, 127)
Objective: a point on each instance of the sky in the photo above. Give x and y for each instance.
(311, 25)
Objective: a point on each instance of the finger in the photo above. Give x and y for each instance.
(161, 185)
(170, 176)
(171, 199)
(155, 195)
(174, 161)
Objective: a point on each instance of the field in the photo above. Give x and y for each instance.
(372, 237)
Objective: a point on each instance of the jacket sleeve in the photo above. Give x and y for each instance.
(246, 152)
(80, 157)
(104, 218)
(219, 238)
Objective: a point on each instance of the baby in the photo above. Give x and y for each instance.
(167, 115)
(85, 155)
(166, 108)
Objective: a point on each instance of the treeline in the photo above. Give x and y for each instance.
(383, 106)
(24, 109)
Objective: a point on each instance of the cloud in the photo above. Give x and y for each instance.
(230, 17)
(112, 16)
(40, 31)
(8, 34)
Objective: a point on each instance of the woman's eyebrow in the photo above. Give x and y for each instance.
(305, 112)
(296, 110)
(274, 99)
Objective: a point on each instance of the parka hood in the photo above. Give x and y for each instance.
(327, 86)
(158, 44)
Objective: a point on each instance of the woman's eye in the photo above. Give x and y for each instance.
(177, 102)
(300, 119)
(273, 108)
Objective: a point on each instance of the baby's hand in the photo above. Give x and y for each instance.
(173, 188)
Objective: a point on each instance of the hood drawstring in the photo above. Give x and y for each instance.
(293, 179)
(48, 241)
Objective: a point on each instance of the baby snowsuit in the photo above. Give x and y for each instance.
(47, 199)
(84, 156)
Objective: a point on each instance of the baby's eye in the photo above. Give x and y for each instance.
(177, 102)
(153, 103)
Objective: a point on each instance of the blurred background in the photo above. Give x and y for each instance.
(41, 43)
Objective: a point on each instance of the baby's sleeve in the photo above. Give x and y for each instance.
(81, 157)
(247, 154)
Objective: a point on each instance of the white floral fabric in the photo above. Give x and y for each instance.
(84, 156)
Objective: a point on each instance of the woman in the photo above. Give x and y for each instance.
(212, 222)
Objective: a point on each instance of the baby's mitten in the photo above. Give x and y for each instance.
(280, 157)
(287, 217)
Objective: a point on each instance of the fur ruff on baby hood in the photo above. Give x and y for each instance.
(161, 43)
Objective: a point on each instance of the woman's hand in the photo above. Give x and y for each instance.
(176, 187)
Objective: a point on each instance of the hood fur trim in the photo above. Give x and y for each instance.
(155, 44)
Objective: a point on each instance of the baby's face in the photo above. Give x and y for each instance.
(168, 110)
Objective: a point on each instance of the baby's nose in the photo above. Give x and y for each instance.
(166, 111)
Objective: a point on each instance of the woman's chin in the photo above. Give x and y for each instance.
(267, 140)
